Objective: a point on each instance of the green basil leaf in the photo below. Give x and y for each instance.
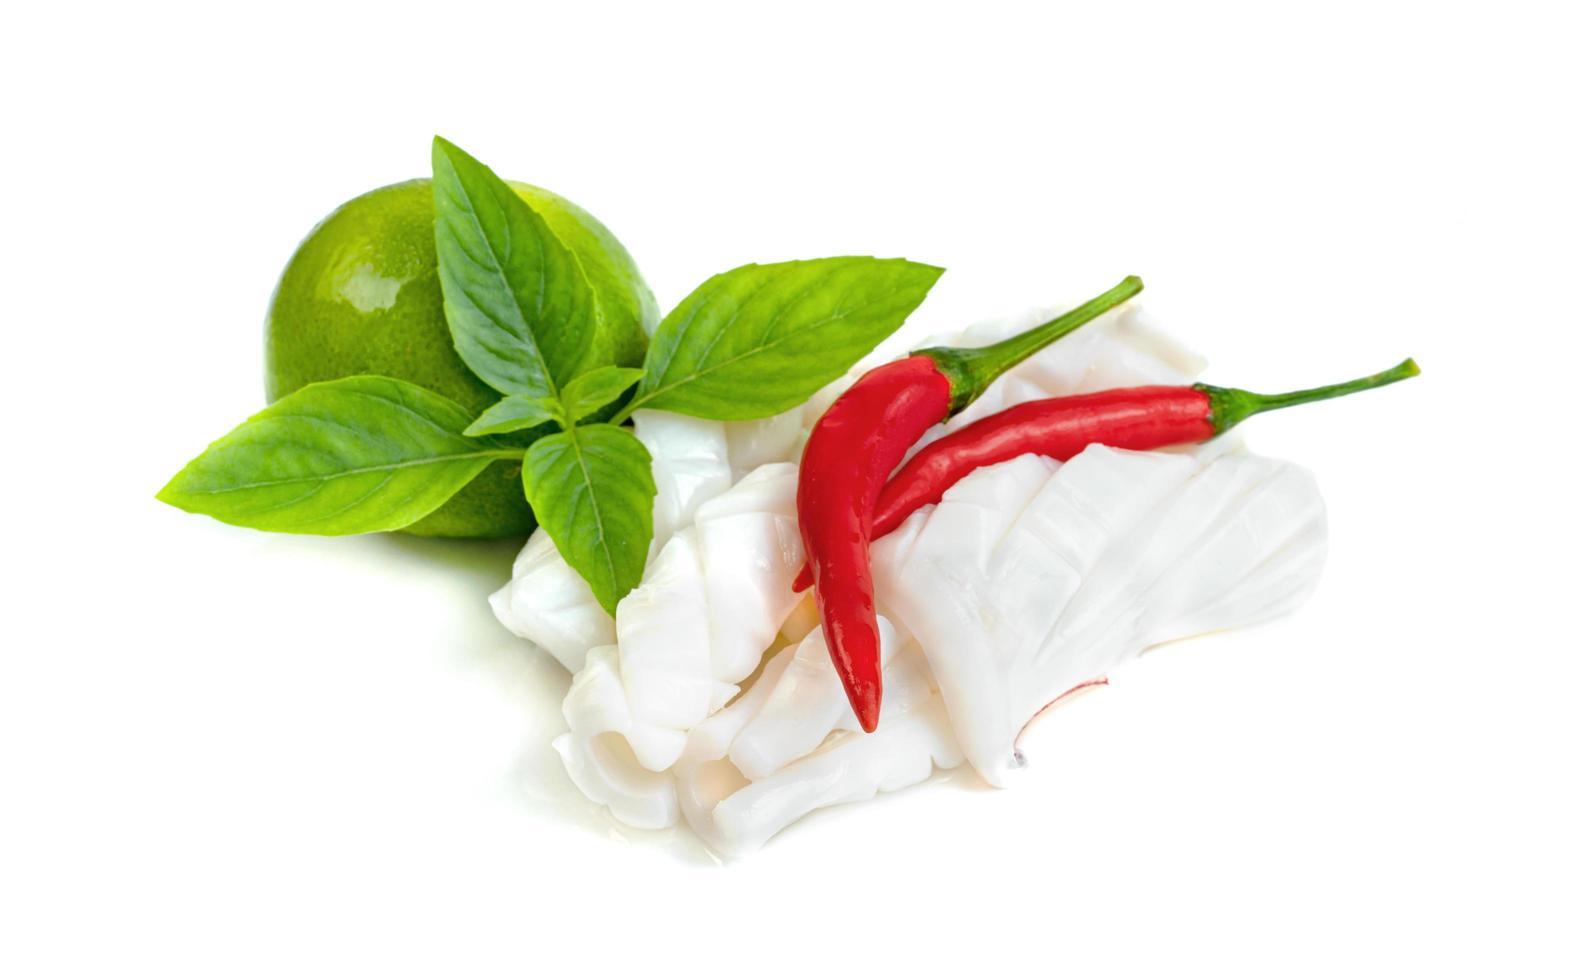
(592, 490)
(516, 412)
(521, 312)
(762, 338)
(626, 311)
(597, 389)
(359, 454)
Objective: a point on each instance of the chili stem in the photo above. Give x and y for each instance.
(971, 370)
(1231, 406)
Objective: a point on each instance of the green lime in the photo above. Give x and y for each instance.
(361, 296)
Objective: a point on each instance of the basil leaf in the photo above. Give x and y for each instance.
(762, 338)
(626, 311)
(359, 454)
(515, 412)
(592, 490)
(597, 389)
(520, 309)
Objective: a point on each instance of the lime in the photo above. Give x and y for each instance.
(360, 296)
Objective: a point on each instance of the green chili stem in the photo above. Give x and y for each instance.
(971, 370)
(1231, 406)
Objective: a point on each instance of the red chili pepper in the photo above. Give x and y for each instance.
(1121, 418)
(1124, 418)
(854, 447)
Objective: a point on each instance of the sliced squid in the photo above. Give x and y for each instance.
(711, 697)
(1030, 578)
(791, 746)
(690, 464)
(549, 604)
(712, 603)
(597, 751)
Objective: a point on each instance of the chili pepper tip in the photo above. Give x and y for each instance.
(868, 716)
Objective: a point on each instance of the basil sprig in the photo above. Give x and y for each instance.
(543, 325)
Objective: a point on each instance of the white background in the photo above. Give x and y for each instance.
(228, 754)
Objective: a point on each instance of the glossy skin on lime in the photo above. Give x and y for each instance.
(361, 296)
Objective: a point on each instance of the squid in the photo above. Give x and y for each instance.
(709, 698)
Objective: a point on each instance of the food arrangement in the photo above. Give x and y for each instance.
(781, 577)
